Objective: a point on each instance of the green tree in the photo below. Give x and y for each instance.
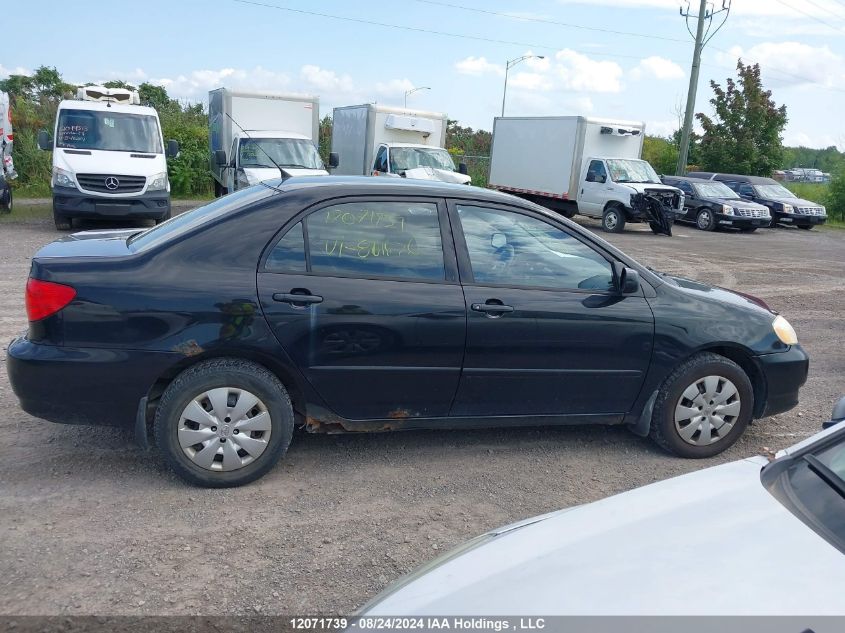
(324, 142)
(661, 153)
(744, 134)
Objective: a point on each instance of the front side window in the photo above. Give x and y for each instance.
(278, 152)
(109, 131)
(381, 159)
(596, 172)
(747, 190)
(507, 248)
(377, 239)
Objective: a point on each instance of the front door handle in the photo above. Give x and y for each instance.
(297, 298)
(491, 309)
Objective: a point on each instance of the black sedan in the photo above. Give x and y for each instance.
(371, 304)
(712, 205)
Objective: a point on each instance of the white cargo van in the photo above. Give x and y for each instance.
(255, 137)
(374, 140)
(575, 164)
(108, 158)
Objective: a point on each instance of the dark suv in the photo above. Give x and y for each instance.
(712, 205)
(785, 207)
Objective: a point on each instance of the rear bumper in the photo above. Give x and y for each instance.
(72, 203)
(83, 386)
(784, 373)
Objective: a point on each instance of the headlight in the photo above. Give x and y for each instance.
(786, 333)
(727, 209)
(824, 210)
(62, 178)
(787, 208)
(158, 182)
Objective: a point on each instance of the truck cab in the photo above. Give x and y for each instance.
(420, 162)
(260, 155)
(109, 158)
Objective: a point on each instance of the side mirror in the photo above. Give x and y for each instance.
(462, 168)
(44, 141)
(591, 176)
(602, 179)
(837, 416)
(220, 158)
(629, 279)
(334, 159)
(172, 149)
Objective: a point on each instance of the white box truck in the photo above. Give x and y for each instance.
(576, 164)
(256, 136)
(375, 140)
(109, 158)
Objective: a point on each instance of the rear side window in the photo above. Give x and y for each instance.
(399, 240)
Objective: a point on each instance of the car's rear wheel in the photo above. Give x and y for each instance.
(613, 219)
(704, 220)
(224, 423)
(703, 407)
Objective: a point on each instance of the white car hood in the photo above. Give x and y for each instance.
(713, 542)
(640, 187)
(117, 163)
(432, 173)
(255, 175)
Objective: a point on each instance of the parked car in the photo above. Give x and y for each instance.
(655, 550)
(784, 206)
(375, 304)
(712, 205)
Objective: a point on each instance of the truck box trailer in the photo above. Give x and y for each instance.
(250, 133)
(576, 164)
(375, 140)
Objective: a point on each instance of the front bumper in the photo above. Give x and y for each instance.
(740, 221)
(784, 374)
(83, 385)
(69, 202)
(797, 219)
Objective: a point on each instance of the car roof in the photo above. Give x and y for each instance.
(368, 185)
(753, 180)
(701, 181)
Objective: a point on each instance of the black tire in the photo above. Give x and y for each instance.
(704, 220)
(62, 223)
(748, 229)
(663, 429)
(613, 219)
(165, 217)
(6, 197)
(223, 372)
(806, 227)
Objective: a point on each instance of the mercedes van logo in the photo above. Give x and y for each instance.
(112, 183)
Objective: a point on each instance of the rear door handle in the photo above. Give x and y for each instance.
(491, 308)
(297, 298)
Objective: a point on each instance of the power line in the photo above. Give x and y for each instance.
(547, 21)
(826, 9)
(809, 15)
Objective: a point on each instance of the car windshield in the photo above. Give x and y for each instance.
(624, 170)
(716, 190)
(773, 191)
(402, 158)
(286, 152)
(811, 484)
(111, 131)
(185, 222)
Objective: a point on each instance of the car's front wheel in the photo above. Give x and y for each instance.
(703, 407)
(62, 223)
(224, 423)
(705, 220)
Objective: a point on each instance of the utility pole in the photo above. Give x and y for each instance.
(702, 36)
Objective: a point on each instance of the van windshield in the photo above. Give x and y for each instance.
(110, 131)
(286, 152)
(624, 170)
(404, 158)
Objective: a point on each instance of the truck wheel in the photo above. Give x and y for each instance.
(613, 219)
(165, 217)
(218, 190)
(705, 220)
(62, 223)
(6, 198)
(224, 423)
(702, 407)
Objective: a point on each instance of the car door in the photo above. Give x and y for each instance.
(594, 189)
(547, 332)
(364, 297)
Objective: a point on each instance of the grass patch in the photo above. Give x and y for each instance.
(813, 191)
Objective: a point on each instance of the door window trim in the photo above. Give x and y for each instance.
(447, 245)
(465, 266)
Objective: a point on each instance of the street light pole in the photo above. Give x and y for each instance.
(508, 65)
(412, 91)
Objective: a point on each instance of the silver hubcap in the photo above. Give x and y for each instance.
(224, 429)
(610, 219)
(703, 219)
(707, 410)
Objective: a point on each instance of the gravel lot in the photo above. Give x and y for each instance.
(92, 525)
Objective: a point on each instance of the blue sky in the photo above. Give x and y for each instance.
(191, 46)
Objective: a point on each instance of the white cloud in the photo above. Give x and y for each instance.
(18, 70)
(478, 66)
(394, 87)
(656, 67)
(793, 139)
(530, 81)
(792, 63)
(582, 74)
(326, 80)
(195, 85)
(793, 9)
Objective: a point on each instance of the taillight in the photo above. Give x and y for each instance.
(44, 298)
